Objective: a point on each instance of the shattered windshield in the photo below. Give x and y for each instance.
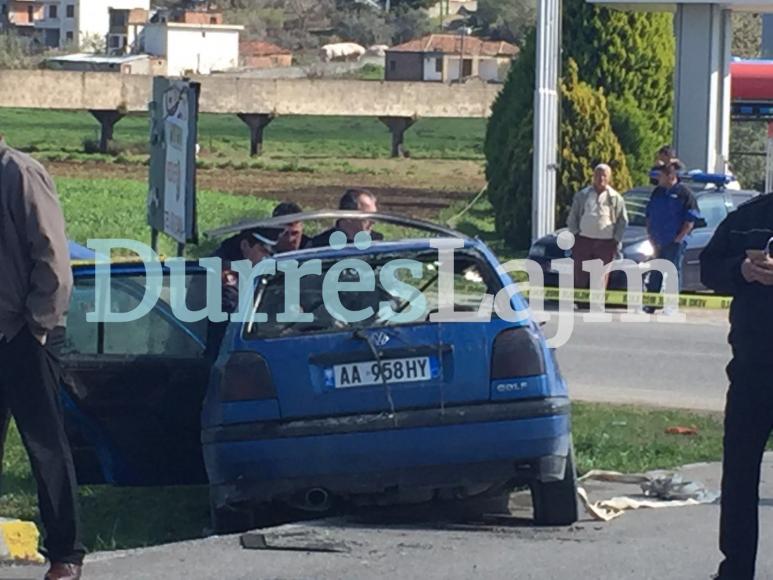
(402, 289)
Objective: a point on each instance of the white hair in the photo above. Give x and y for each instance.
(603, 166)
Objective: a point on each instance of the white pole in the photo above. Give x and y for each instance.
(767, 36)
(546, 118)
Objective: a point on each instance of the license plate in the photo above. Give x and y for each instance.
(398, 370)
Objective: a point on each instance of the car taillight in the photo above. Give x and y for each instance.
(517, 353)
(246, 377)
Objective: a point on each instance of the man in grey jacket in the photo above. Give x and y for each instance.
(34, 296)
(598, 219)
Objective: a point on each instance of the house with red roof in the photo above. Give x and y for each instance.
(449, 57)
(261, 54)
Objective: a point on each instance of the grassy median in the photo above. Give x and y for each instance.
(605, 436)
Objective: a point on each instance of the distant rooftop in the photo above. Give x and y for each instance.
(98, 58)
(261, 48)
(452, 44)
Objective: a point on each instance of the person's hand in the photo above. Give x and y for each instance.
(760, 272)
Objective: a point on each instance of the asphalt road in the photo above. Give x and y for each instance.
(672, 364)
(664, 544)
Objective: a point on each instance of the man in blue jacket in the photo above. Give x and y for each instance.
(671, 215)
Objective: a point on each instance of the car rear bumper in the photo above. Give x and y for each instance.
(371, 454)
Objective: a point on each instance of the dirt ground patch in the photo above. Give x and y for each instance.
(418, 188)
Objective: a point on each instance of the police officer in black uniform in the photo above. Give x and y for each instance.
(737, 263)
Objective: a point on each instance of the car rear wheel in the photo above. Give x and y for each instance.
(555, 502)
(231, 520)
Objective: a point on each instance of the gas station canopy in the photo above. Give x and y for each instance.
(659, 5)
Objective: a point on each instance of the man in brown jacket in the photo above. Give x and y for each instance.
(598, 219)
(34, 296)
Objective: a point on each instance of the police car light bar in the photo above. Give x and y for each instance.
(718, 179)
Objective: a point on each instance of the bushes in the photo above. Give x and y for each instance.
(91, 145)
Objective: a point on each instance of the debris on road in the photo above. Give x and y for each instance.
(682, 431)
(259, 541)
(660, 489)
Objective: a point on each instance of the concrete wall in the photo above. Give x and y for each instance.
(44, 89)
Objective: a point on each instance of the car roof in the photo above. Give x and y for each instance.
(699, 192)
(79, 252)
(376, 247)
(281, 221)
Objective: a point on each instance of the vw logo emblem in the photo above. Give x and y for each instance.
(380, 338)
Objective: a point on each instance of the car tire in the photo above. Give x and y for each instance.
(555, 502)
(231, 520)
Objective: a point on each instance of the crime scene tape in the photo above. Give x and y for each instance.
(620, 298)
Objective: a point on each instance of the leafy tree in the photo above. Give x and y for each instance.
(362, 25)
(509, 150)
(586, 140)
(631, 55)
(412, 4)
(633, 128)
(747, 35)
(748, 142)
(508, 20)
(408, 23)
(12, 52)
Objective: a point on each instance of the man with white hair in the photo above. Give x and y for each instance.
(598, 219)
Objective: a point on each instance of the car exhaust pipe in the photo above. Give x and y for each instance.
(317, 500)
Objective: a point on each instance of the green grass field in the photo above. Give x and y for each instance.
(605, 437)
(60, 135)
(116, 208)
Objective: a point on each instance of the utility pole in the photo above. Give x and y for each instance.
(461, 56)
(546, 118)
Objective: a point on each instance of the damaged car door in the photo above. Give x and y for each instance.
(132, 391)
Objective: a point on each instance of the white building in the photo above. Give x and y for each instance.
(193, 48)
(83, 23)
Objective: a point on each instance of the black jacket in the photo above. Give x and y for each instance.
(751, 314)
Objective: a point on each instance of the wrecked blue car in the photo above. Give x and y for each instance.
(323, 412)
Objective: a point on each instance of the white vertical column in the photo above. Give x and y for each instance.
(702, 83)
(767, 36)
(546, 118)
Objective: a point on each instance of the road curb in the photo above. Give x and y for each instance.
(19, 541)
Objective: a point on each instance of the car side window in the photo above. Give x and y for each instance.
(713, 209)
(158, 333)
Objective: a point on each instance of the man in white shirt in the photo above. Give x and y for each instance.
(598, 219)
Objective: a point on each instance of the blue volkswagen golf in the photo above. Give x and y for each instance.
(325, 411)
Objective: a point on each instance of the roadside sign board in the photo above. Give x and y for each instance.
(172, 176)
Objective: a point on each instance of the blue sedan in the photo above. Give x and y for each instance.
(308, 414)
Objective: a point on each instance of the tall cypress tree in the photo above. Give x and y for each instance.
(631, 56)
